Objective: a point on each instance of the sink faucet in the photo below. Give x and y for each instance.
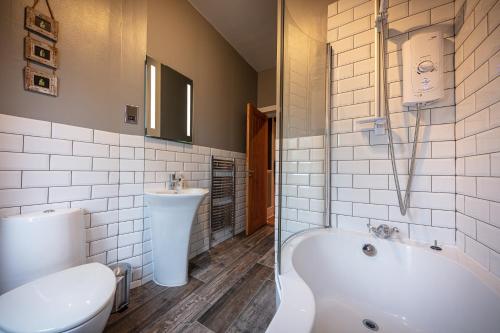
(382, 231)
(174, 182)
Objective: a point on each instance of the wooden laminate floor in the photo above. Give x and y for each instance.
(231, 289)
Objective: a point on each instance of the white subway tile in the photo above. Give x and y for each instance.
(487, 188)
(340, 19)
(443, 184)
(310, 217)
(34, 144)
(477, 208)
(92, 206)
(23, 161)
(21, 197)
(354, 83)
(488, 95)
(371, 211)
(67, 132)
(409, 23)
(478, 252)
(311, 192)
(127, 152)
(90, 149)
(103, 245)
(58, 162)
(443, 218)
(11, 142)
(353, 195)
(439, 167)
(130, 189)
(488, 235)
(443, 149)
(105, 164)
(10, 179)
(376, 152)
(466, 224)
(107, 138)
(342, 154)
(444, 201)
(370, 181)
(132, 165)
(427, 234)
(358, 224)
(488, 142)
(26, 126)
(46, 178)
(89, 178)
(70, 193)
(384, 167)
(104, 191)
(129, 239)
(42, 207)
(478, 165)
(413, 215)
(102, 218)
(131, 140)
(353, 167)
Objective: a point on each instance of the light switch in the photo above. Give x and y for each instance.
(131, 114)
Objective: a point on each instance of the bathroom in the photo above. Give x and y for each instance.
(266, 146)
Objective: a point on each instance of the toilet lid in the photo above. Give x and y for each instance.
(58, 302)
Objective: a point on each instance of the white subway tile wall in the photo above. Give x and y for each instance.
(192, 162)
(477, 66)
(362, 176)
(48, 165)
(303, 199)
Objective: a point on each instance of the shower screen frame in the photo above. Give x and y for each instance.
(280, 115)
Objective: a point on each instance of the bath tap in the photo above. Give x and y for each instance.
(382, 231)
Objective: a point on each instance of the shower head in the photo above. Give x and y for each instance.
(383, 6)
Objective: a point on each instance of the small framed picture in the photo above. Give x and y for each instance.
(38, 81)
(41, 24)
(40, 52)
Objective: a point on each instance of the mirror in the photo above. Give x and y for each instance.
(169, 103)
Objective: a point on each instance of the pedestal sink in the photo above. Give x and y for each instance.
(172, 215)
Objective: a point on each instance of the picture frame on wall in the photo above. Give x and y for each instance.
(41, 24)
(39, 81)
(40, 52)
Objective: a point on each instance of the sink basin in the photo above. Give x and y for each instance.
(172, 216)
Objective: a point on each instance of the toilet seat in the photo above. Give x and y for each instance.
(58, 302)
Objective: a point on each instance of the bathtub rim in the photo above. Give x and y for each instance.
(297, 307)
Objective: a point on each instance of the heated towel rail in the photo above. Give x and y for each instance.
(222, 198)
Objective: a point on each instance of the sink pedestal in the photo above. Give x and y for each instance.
(172, 216)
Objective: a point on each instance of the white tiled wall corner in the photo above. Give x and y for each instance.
(478, 43)
(362, 182)
(48, 165)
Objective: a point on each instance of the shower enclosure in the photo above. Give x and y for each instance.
(303, 147)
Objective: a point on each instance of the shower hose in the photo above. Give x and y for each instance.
(403, 203)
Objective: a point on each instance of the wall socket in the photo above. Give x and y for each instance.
(131, 112)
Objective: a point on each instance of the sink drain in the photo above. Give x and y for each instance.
(370, 324)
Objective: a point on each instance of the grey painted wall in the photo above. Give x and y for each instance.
(266, 91)
(102, 46)
(178, 36)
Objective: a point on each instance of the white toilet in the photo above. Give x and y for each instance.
(44, 284)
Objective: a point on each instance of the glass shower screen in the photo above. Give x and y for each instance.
(303, 119)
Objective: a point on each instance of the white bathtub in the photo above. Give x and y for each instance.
(329, 285)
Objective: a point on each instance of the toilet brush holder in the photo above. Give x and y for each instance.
(123, 274)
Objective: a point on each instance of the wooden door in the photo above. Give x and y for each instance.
(257, 150)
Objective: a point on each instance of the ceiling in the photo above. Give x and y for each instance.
(248, 25)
